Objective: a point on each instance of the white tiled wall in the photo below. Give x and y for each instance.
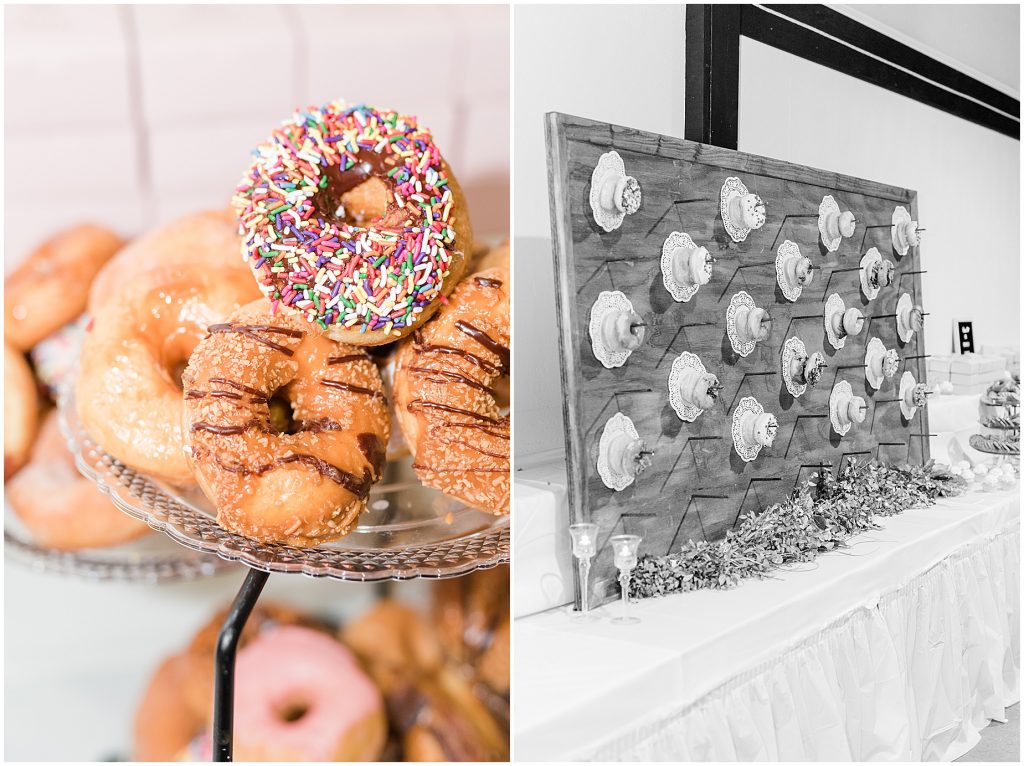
(130, 115)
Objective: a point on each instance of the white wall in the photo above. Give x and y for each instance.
(621, 64)
(132, 115)
(967, 178)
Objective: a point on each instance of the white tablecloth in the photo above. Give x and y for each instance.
(899, 648)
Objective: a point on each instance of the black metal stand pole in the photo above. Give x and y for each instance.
(224, 670)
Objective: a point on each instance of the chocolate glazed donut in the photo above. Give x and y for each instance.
(446, 398)
(285, 428)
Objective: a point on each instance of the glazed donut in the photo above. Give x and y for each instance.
(21, 410)
(165, 723)
(301, 696)
(302, 482)
(61, 508)
(51, 287)
(474, 624)
(128, 391)
(445, 394)
(353, 219)
(204, 240)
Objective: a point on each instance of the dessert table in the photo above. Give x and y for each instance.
(901, 647)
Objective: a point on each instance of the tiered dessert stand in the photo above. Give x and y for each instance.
(409, 531)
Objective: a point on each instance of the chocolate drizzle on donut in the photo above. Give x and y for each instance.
(251, 330)
(485, 340)
(352, 389)
(441, 376)
(231, 430)
(420, 404)
(358, 486)
(373, 450)
(488, 282)
(426, 348)
(360, 357)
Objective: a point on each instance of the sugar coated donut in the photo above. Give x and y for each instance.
(165, 723)
(301, 696)
(205, 240)
(353, 219)
(61, 508)
(51, 287)
(21, 410)
(445, 396)
(299, 474)
(128, 390)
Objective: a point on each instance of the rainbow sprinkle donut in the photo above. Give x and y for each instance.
(363, 281)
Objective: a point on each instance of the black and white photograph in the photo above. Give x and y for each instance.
(766, 502)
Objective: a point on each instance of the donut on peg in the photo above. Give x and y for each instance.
(685, 266)
(909, 317)
(793, 271)
(834, 225)
(691, 388)
(875, 273)
(742, 212)
(906, 232)
(845, 409)
(616, 330)
(613, 194)
(912, 395)
(746, 324)
(621, 453)
(841, 322)
(880, 364)
(752, 428)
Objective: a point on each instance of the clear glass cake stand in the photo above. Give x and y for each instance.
(409, 531)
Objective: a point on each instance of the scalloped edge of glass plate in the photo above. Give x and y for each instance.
(198, 532)
(91, 566)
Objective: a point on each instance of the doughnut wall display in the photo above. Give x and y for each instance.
(784, 315)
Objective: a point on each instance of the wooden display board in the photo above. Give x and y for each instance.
(697, 486)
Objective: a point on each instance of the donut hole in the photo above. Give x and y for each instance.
(174, 356)
(365, 204)
(282, 414)
(293, 711)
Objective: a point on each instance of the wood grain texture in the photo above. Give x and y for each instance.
(697, 486)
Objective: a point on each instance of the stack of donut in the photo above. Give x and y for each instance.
(358, 237)
(45, 298)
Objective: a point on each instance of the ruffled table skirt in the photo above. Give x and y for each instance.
(902, 649)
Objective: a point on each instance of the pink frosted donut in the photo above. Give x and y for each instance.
(302, 696)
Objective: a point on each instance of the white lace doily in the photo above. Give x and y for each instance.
(792, 349)
(738, 301)
(748, 406)
(786, 251)
(834, 305)
(733, 187)
(607, 301)
(903, 308)
(870, 258)
(840, 398)
(609, 166)
(907, 383)
(900, 216)
(679, 292)
(684, 363)
(617, 424)
(827, 207)
(874, 350)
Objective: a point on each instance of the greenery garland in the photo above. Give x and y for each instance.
(819, 517)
